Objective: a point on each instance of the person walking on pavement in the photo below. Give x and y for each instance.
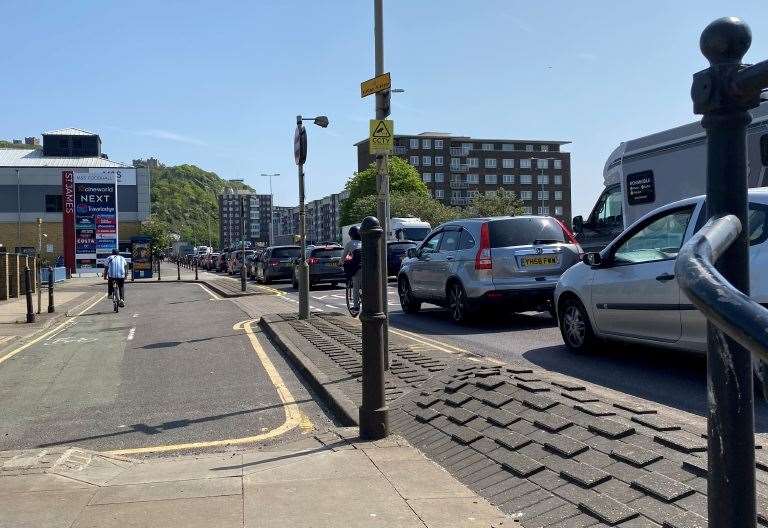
(114, 272)
(351, 259)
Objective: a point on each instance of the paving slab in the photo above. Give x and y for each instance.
(42, 509)
(458, 513)
(177, 489)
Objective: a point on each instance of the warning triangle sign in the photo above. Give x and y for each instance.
(381, 131)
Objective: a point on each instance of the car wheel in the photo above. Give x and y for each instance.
(408, 302)
(457, 303)
(575, 326)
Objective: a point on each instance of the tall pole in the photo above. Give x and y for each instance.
(303, 267)
(382, 169)
(18, 206)
(37, 267)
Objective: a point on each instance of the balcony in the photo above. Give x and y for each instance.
(459, 185)
(400, 150)
(458, 151)
(459, 168)
(459, 200)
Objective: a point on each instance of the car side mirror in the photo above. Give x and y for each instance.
(592, 259)
(411, 253)
(578, 224)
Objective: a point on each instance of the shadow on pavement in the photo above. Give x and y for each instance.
(437, 321)
(669, 377)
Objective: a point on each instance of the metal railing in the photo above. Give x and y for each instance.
(459, 185)
(459, 168)
(459, 200)
(726, 307)
(459, 151)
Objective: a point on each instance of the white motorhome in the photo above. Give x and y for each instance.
(645, 173)
(414, 229)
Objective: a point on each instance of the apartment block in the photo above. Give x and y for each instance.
(457, 169)
(244, 215)
(322, 217)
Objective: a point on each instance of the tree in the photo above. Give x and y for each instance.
(159, 233)
(500, 204)
(403, 179)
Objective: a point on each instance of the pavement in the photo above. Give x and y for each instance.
(548, 449)
(225, 285)
(332, 480)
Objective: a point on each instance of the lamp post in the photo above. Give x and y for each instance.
(300, 156)
(18, 207)
(271, 208)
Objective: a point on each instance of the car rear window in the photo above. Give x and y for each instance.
(286, 252)
(523, 231)
(327, 253)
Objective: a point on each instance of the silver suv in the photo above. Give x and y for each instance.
(513, 262)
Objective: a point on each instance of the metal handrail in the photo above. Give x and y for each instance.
(743, 319)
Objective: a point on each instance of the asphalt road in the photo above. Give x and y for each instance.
(168, 369)
(671, 378)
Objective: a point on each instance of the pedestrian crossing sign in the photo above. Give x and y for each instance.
(381, 139)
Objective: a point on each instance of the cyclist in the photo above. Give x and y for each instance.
(114, 272)
(351, 259)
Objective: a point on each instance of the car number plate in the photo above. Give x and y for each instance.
(540, 261)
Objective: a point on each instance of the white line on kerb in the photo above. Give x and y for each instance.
(131, 333)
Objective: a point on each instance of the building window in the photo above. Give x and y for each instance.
(542, 179)
(508, 147)
(490, 179)
(508, 163)
(426, 161)
(426, 176)
(439, 177)
(414, 143)
(543, 195)
(558, 195)
(558, 164)
(490, 163)
(525, 164)
(526, 196)
(508, 179)
(542, 163)
(455, 163)
(527, 209)
(455, 194)
(473, 178)
(53, 203)
(438, 160)
(558, 179)
(487, 146)
(466, 146)
(526, 179)
(490, 193)
(400, 149)
(509, 194)
(529, 148)
(426, 143)
(415, 161)
(544, 210)
(545, 148)
(438, 143)
(439, 193)
(473, 162)
(558, 210)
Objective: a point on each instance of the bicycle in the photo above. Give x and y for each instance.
(116, 298)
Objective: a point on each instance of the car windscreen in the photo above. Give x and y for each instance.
(286, 252)
(523, 231)
(327, 253)
(414, 233)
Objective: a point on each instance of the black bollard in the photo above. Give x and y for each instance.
(723, 94)
(195, 270)
(51, 308)
(242, 276)
(28, 287)
(158, 269)
(374, 413)
(178, 270)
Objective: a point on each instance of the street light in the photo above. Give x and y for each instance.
(300, 156)
(272, 203)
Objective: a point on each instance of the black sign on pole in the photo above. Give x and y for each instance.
(300, 144)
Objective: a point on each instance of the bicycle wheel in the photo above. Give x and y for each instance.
(115, 302)
(350, 303)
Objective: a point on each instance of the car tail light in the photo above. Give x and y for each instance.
(274, 262)
(312, 260)
(570, 236)
(483, 257)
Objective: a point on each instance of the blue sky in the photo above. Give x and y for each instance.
(220, 86)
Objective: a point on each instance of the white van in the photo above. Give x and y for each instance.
(643, 174)
(414, 229)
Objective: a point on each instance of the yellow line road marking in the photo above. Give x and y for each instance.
(293, 415)
(427, 341)
(55, 330)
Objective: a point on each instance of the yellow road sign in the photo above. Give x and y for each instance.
(377, 84)
(381, 139)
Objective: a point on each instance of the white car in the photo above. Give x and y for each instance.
(629, 292)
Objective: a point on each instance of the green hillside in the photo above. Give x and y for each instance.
(184, 198)
(10, 144)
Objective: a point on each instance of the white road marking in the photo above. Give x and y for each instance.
(131, 333)
(331, 306)
(135, 315)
